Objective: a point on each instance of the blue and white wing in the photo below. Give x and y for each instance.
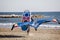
(40, 21)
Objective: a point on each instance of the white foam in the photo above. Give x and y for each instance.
(9, 25)
(6, 25)
(50, 25)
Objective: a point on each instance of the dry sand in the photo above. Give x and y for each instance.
(40, 34)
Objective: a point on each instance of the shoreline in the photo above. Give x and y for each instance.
(40, 34)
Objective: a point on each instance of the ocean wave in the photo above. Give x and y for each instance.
(9, 25)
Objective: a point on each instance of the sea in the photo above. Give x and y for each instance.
(7, 22)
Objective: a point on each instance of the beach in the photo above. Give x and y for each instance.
(40, 34)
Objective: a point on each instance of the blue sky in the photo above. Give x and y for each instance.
(32, 5)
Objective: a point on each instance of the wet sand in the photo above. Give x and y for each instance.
(40, 34)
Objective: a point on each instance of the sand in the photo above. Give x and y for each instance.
(40, 34)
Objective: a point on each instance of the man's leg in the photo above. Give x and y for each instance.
(14, 25)
(28, 30)
(35, 29)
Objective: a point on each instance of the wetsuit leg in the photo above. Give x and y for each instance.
(28, 30)
(35, 29)
(12, 27)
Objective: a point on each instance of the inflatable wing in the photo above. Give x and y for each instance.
(40, 21)
(35, 24)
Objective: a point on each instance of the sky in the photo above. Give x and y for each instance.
(32, 5)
